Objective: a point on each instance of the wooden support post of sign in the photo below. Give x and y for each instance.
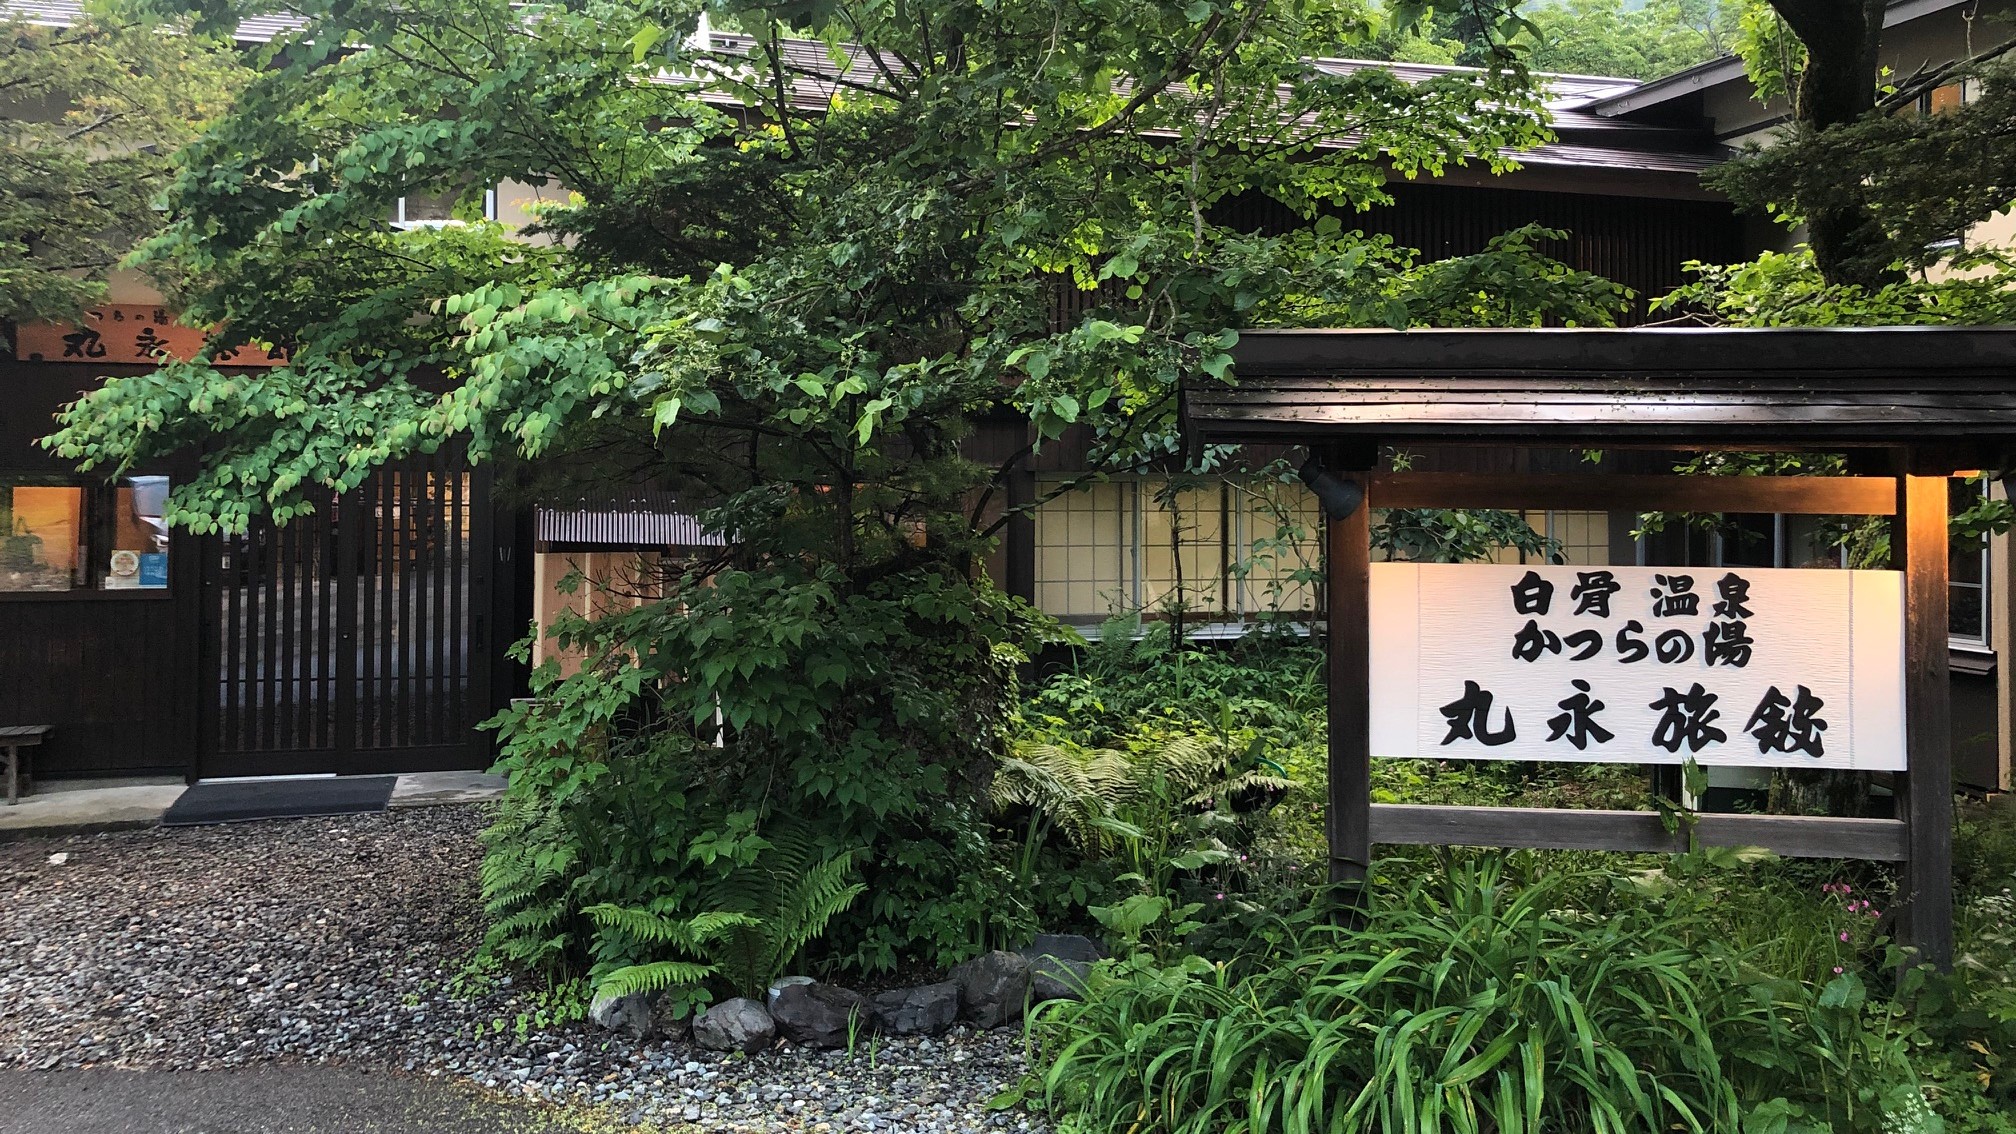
(1925, 790)
(1348, 570)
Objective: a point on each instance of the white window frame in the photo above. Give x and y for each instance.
(400, 222)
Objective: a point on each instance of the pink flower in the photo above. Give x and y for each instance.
(1837, 970)
(1845, 889)
(1844, 936)
(1221, 897)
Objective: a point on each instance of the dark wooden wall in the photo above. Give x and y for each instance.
(1636, 241)
(114, 672)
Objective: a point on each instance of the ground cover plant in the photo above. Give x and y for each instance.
(1531, 992)
(1760, 994)
(1471, 999)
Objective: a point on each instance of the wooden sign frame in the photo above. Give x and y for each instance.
(1920, 838)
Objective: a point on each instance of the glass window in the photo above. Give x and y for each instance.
(1967, 577)
(1223, 548)
(137, 548)
(42, 536)
(1278, 547)
(58, 536)
(432, 210)
(1584, 537)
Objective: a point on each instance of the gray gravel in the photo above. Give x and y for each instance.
(339, 941)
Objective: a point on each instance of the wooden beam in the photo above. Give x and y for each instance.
(1794, 836)
(1019, 535)
(1348, 570)
(1596, 492)
(1918, 542)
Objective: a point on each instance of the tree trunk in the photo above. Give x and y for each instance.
(1837, 87)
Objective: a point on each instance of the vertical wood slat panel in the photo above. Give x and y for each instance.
(413, 578)
(286, 543)
(425, 642)
(458, 624)
(269, 635)
(404, 632)
(359, 580)
(382, 690)
(325, 638)
(437, 589)
(229, 736)
(92, 669)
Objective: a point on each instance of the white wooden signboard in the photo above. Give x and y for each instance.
(1750, 667)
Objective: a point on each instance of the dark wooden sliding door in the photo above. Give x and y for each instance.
(357, 639)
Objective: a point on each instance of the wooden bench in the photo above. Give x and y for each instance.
(14, 738)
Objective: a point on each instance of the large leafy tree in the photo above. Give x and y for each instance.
(90, 116)
(1643, 40)
(794, 268)
(1639, 41)
(1879, 187)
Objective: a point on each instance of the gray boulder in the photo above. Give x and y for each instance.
(627, 1015)
(1058, 964)
(740, 1025)
(925, 1010)
(993, 988)
(1064, 947)
(819, 1015)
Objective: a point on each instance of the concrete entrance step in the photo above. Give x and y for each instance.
(70, 807)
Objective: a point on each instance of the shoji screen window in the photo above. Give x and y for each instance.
(1277, 547)
(1183, 546)
(1085, 545)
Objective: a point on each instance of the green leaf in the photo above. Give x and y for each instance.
(647, 38)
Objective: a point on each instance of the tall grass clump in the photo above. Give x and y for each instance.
(1476, 1002)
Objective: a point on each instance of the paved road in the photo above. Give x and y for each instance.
(269, 1100)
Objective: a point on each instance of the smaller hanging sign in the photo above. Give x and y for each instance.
(1750, 667)
(130, 335)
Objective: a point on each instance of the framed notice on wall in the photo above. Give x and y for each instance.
(1752, 667)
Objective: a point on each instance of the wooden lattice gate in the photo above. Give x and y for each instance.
(358, 639)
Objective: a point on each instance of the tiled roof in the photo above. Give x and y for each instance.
(640, 519)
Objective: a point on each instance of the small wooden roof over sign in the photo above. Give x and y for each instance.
(1670, 387)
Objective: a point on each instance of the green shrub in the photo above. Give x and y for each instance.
(861, 724)
(1477, 1002)
(1964, 1026)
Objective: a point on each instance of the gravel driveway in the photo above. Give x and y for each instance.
(338, 941)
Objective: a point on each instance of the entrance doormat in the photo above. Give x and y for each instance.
(279, 799)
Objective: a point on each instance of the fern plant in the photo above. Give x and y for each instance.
(760, 914)
(1093, 796)
(684, 979)
(528, 869)
(1156, 808)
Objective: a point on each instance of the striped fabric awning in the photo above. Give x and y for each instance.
(640, 519)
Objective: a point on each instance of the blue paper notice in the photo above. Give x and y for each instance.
(154, 569)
